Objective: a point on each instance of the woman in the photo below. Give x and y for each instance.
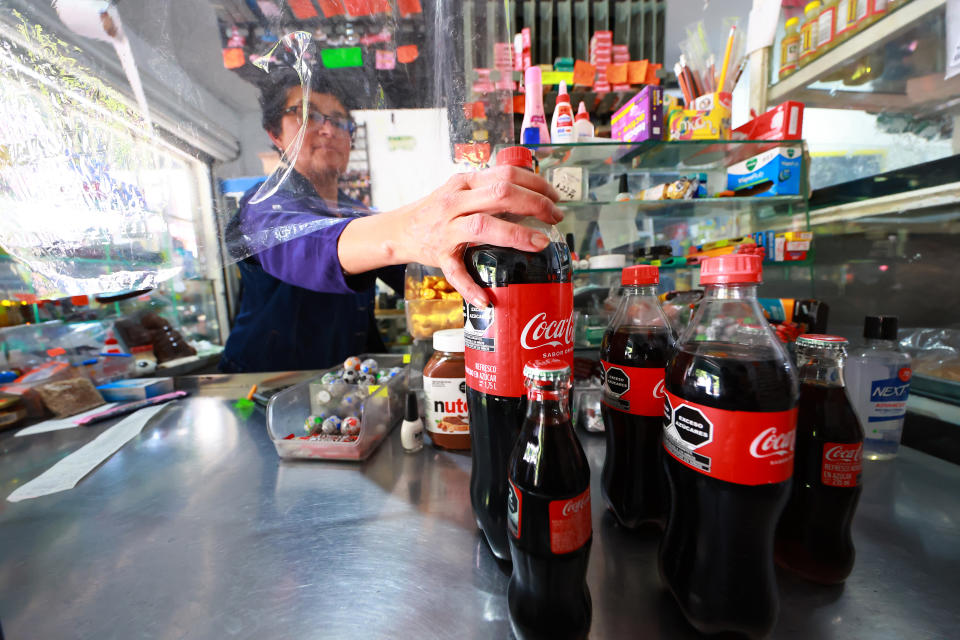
(307, 302)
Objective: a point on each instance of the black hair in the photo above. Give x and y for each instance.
(276, 84)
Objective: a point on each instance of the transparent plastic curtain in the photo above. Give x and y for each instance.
(92, 174)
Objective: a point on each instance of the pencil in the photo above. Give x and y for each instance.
(681, 80)
(726, 59)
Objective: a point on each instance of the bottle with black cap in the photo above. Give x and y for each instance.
(878, 383)
(411, 431)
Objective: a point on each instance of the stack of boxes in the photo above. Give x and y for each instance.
(621, 55)
(601, 54)
(503, 61)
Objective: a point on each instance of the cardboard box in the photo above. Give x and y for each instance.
(641, 118)
(708, 120)
(783, 122)
(139, 389)
(775, 172)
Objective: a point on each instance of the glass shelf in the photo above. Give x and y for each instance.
(766, 265)
(901, 55)
(757, 210)
(677, 156)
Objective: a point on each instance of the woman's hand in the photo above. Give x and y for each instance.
(436, 229)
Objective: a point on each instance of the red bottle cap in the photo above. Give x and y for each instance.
(732, 268)
(582, 115)
(563, 97)
(515, 157)
(641, 274)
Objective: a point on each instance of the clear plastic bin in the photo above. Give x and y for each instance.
(288, 410)
(431, 304)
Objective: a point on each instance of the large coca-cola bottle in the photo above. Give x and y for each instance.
(530, 317)
(633, 354)
(548, 508)
(813, 536)
(729, 425)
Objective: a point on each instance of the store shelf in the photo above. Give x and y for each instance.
(766, 265)
(758, 207)
(915, 86)
(655, 155)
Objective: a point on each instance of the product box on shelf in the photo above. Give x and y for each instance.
(641, 118)
(708, 120)
(380, 409)
(782, 122)
(775, 172)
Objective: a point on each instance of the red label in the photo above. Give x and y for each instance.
(524, 322)
(570, 526)
(842, 462)
(904, 374)
(746, 447)
(634, 390)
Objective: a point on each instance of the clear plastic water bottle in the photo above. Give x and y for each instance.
(878, 382)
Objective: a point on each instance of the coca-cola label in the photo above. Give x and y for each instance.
(524, 322)
(570, 524)
(514, 507)
(634, 390)
(841, 464)
(745, 447)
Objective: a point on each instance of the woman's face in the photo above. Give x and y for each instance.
(326, 148)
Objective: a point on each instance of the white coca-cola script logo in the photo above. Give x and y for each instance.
(658, 390)
(576, 505)
(771, 443)
(841, 453)
(554, 333)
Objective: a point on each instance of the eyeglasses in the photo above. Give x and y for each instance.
(317, 120)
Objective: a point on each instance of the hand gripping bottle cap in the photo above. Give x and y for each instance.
(732, 268)
(641, 274)
(515, 157)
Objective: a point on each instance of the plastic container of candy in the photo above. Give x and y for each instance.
(329, 418)
(430, 302)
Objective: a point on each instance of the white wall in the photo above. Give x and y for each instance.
(400, 177)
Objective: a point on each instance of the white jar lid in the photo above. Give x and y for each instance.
(448, 340)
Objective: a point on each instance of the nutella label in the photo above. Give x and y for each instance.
(841, 464)
(634, 390)
(445, 404)
(745, 447)
(524, 322)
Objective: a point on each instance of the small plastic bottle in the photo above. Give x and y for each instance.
(790, 48)
(808, 32)
(582, 127)
(411, 431)
(827, 27)
(534, 128)
(561, 127)
(878, 381)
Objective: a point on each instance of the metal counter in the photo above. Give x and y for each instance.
(195, 529)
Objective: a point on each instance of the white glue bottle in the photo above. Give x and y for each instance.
(561, 127)
(582, 127)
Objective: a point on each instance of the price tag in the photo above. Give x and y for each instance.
(568, 181)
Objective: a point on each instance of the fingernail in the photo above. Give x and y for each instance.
(479, 302)
(540, 241)
(557, 214)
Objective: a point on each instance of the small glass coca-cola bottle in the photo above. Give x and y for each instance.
(548, 513)
(813, 535)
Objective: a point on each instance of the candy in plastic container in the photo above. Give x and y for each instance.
(329, 378)
(324, 396)
(369, 366)
(350, 426)
(352, 364)
(350, 376)
(331, 425)
(367, 378)
(313, 424)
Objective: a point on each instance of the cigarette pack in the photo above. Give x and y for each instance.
(775, 172)
(641, 118)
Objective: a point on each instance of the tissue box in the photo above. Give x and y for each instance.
(641, 118)
(778, 169)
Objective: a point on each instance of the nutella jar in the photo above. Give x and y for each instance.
(445, 392)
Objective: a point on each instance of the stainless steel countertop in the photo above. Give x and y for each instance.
(195, 529)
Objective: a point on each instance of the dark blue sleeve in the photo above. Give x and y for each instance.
(309, 259)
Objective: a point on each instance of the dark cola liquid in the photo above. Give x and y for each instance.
(716, 554)
(634, 484)
(813, 537)
(495, 420)
(548, 595)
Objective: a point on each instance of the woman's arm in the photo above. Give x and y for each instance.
(435, 230)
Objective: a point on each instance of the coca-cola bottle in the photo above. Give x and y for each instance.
(548, 508)
(813, 536)
(633, 355)
(729, 425)
(530, 317)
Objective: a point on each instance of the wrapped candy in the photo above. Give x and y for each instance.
(329, 378)
(369, 366)
(351, 364)
(313, 423)
(350, 376)
(331, 425)
(350, 426)
(367, 379)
